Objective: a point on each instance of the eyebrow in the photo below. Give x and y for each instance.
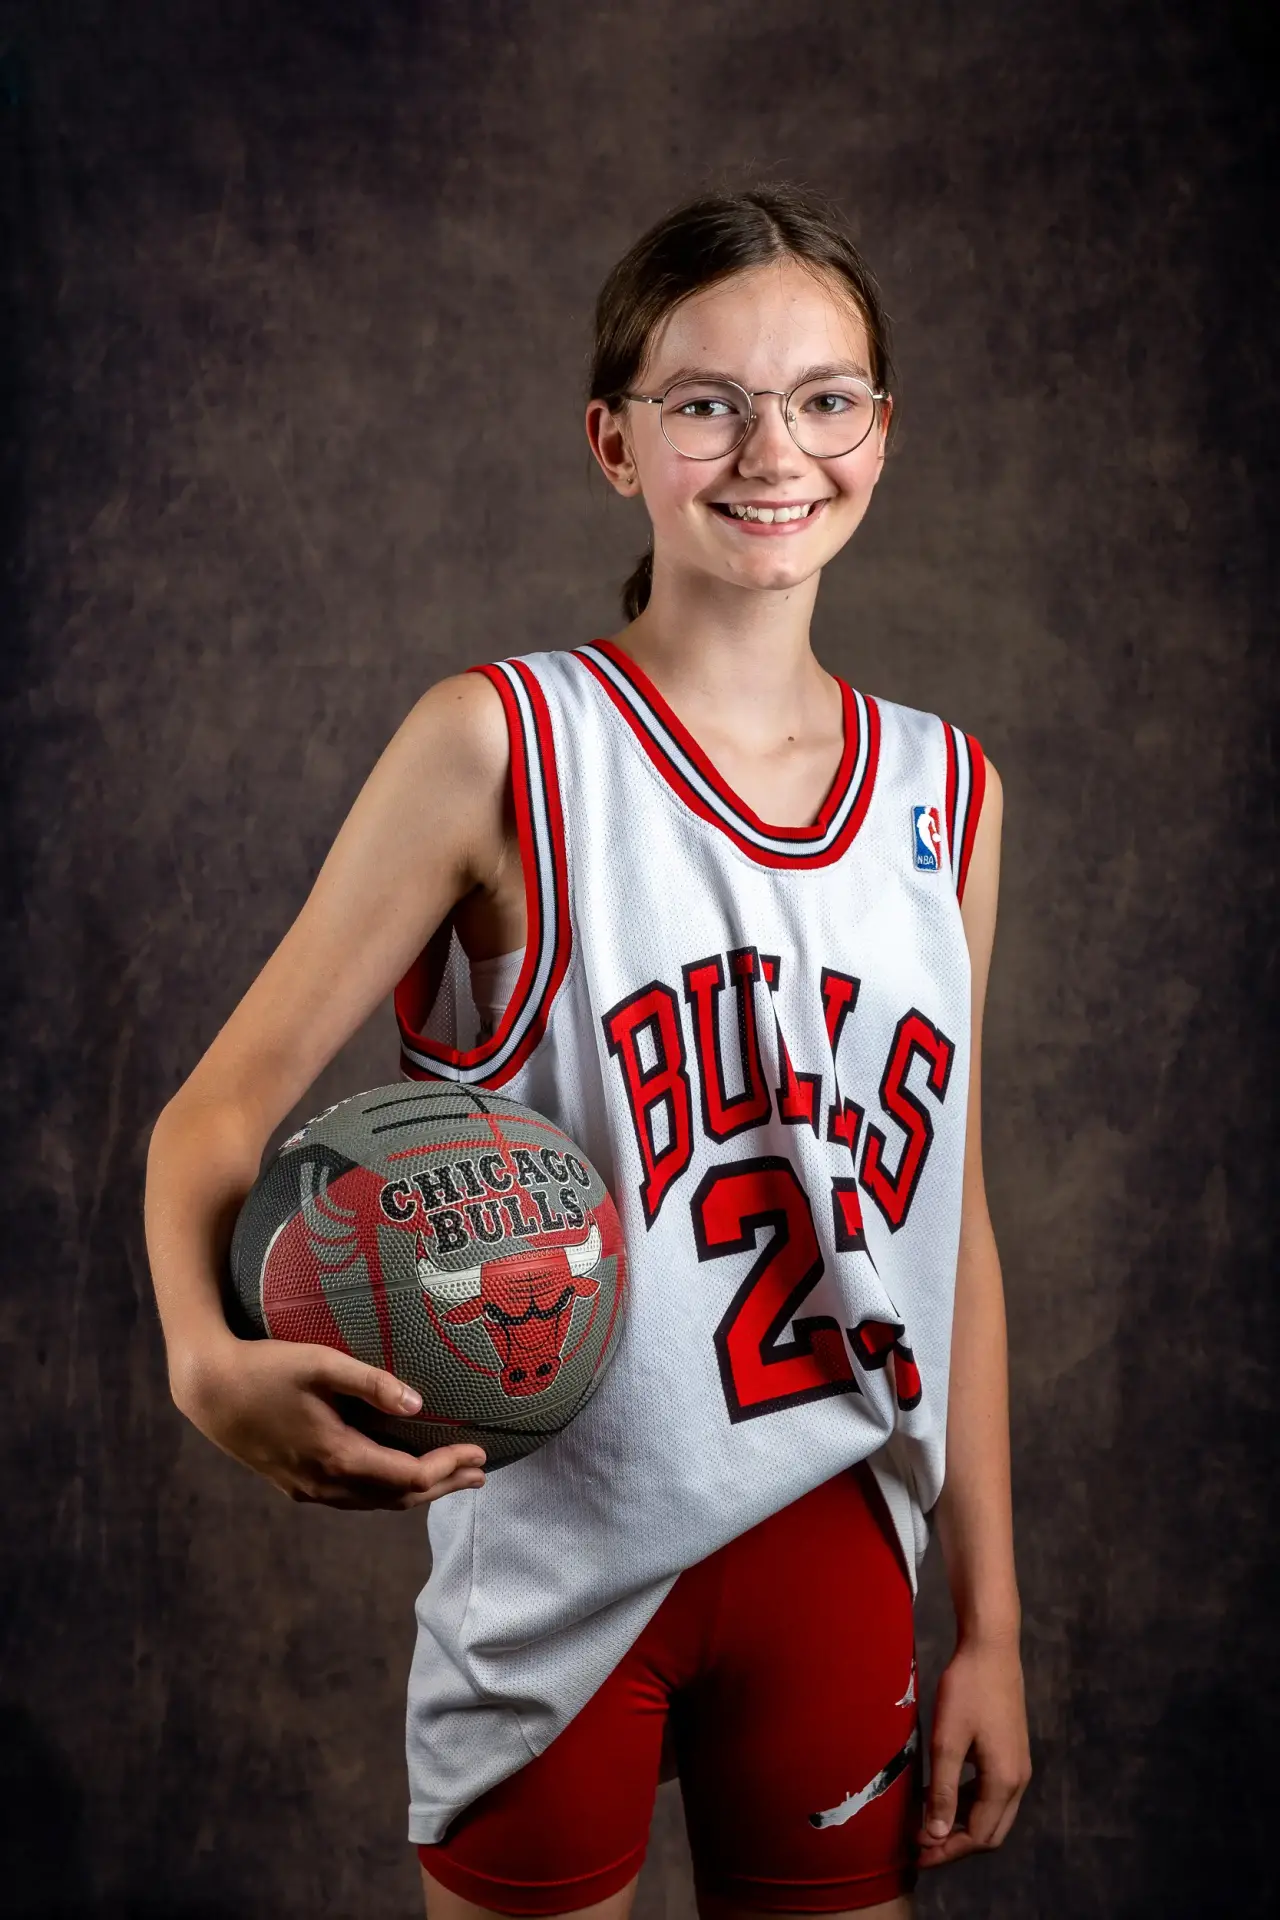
(810, 373)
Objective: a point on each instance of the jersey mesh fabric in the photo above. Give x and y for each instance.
(543, 1579)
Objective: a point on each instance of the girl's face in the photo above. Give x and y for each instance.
(767, 327)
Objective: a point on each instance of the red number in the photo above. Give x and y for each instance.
(761, 1370)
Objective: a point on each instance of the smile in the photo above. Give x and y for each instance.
(785, 515)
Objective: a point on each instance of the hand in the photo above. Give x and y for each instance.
(270, 1405)
(980, 1706)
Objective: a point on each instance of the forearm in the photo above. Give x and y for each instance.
(203, 1158)
(975, 1511)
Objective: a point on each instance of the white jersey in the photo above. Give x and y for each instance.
(760, 1035)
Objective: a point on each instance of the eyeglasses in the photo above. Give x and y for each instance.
(707, 419)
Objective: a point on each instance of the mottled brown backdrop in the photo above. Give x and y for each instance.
(297, 297)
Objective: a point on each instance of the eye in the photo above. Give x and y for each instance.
(832, 416)
(705, 418)
(830, 403)
(704, 400)
(709, 408)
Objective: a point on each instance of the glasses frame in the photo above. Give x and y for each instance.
(751, 395)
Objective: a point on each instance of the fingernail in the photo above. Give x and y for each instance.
(410, 1399)
(937, 1828)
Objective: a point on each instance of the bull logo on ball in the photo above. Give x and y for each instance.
(525, 1302)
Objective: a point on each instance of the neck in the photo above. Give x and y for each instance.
(740, 653)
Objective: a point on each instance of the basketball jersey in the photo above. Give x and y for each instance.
(760, 1035)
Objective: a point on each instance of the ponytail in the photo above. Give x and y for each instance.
(635, 594)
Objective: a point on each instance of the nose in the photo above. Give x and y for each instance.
(768, 451)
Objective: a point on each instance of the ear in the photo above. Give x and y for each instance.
(886, 414)
(610, 443)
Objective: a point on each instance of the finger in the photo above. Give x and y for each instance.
(944, 1785)
(456, 1482)
(361, 1458)
(365, 1475)
(987, 1811)
(340, 1373)
(371, 1495)
(941, 1853)
(966, 1836)
(461, 1456)
(356, 1491)
(1009, 1815)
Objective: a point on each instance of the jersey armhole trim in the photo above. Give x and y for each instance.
(548, 941)
(966, 788)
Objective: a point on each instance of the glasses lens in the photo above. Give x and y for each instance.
(831, 417)
(705, 419)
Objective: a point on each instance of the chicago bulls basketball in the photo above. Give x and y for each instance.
(452, 1237)
(724, 919)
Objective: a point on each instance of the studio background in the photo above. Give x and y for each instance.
(297, 303)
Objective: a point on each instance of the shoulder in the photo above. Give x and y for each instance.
(979, 895)
(444, 776)
(467, 721)
(990, 817)
(460, 724)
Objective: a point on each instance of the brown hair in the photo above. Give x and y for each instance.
(694, 247)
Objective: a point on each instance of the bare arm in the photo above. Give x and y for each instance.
(427, 829)
(980, 1701)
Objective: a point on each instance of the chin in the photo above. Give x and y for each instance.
(776, 576)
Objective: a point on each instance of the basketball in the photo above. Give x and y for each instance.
(453, 1237)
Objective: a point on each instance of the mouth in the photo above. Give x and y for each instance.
(760, 516)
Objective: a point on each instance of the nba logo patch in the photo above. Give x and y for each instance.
(927, 837)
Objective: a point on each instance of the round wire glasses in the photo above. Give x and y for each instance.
(707, 419)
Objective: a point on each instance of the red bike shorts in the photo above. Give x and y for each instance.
(785, 1663)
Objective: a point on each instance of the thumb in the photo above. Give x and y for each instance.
(944, 1788)
(341, 1373)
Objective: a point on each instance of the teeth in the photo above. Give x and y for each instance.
(770, 514)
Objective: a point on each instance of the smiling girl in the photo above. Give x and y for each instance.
(728, 921)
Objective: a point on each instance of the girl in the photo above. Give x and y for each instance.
(728, 922)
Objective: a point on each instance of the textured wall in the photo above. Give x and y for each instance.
(297, 299)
